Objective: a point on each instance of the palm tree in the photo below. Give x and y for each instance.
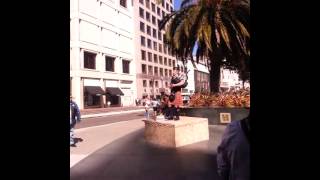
(218, 28)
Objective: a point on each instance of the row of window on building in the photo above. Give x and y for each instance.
(156, 83)
(155, 59)
(156, 34)
(154, 71)
(154, 46)
(154, 6)
(89, 62)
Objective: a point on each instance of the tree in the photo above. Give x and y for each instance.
(218, 28)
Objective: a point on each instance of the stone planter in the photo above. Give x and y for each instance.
(213, 114)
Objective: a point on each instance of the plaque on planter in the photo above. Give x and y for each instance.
(225, 118)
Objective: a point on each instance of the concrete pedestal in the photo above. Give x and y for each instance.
(187, 130)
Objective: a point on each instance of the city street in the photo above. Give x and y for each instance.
(116, 149)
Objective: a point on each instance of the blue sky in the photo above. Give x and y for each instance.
(177, 4)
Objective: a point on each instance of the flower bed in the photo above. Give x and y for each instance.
(239, 98)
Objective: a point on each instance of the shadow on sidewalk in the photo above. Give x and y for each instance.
(130, 157)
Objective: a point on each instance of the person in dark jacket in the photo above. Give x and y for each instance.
(233, 156)
(74, 119)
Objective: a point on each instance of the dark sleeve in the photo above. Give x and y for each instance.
(77, 112)
(223, 160)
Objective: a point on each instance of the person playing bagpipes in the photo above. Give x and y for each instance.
(178, 81)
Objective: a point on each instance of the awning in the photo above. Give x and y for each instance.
(114, 91)
(94, 90)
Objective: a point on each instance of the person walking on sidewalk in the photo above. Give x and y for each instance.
(155, 105)
(74, 119)
(147, 107)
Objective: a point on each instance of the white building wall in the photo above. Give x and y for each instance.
(106, 29)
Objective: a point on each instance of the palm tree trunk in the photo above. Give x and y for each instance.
(215, 65)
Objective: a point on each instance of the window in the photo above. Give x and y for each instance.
(161, 72)
(150, 70)
(126, 66)
(149, 43)
(155, 58)
(165, 61)
(153, 20)
(170, 73)
(150, 83)
(143, 55)
(148, 16)
(160, 60)
(148, 30)
(163, 14)
(166, 84)
(153, 7)
(171, 8)
(170, 62)
(167, 6)
(165, 49)
(158, 11)
(158, 22)
(89, 60)
(173, 63)
(156, 71)
(141, 12)
(160, 48)
(159, 35)
(162, 3)
(154, 33)
(143, 41)
(123, 3)
(166, 72)
(109, 63)
(150, 56)
(144, 82)
(141, 26)
(156, 84)
(148, 4)
(144, 69)
(141, 1)
(155, 46)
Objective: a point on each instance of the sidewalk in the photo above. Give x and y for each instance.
(87, 113)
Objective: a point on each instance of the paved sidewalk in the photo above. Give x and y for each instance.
(109, 109)
(119, 152)
(96, 137)
(97, 112)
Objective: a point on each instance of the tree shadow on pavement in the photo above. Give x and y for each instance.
(131, 157)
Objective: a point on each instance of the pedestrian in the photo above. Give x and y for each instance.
(233, 156)
(155, 105)
(74, 119)
(175, 99)
(146, 107)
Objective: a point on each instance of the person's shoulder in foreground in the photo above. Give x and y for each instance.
(234, 153)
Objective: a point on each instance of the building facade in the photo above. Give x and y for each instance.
(102, 67)
(154, 62)
(198, 76)
(230, 80)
